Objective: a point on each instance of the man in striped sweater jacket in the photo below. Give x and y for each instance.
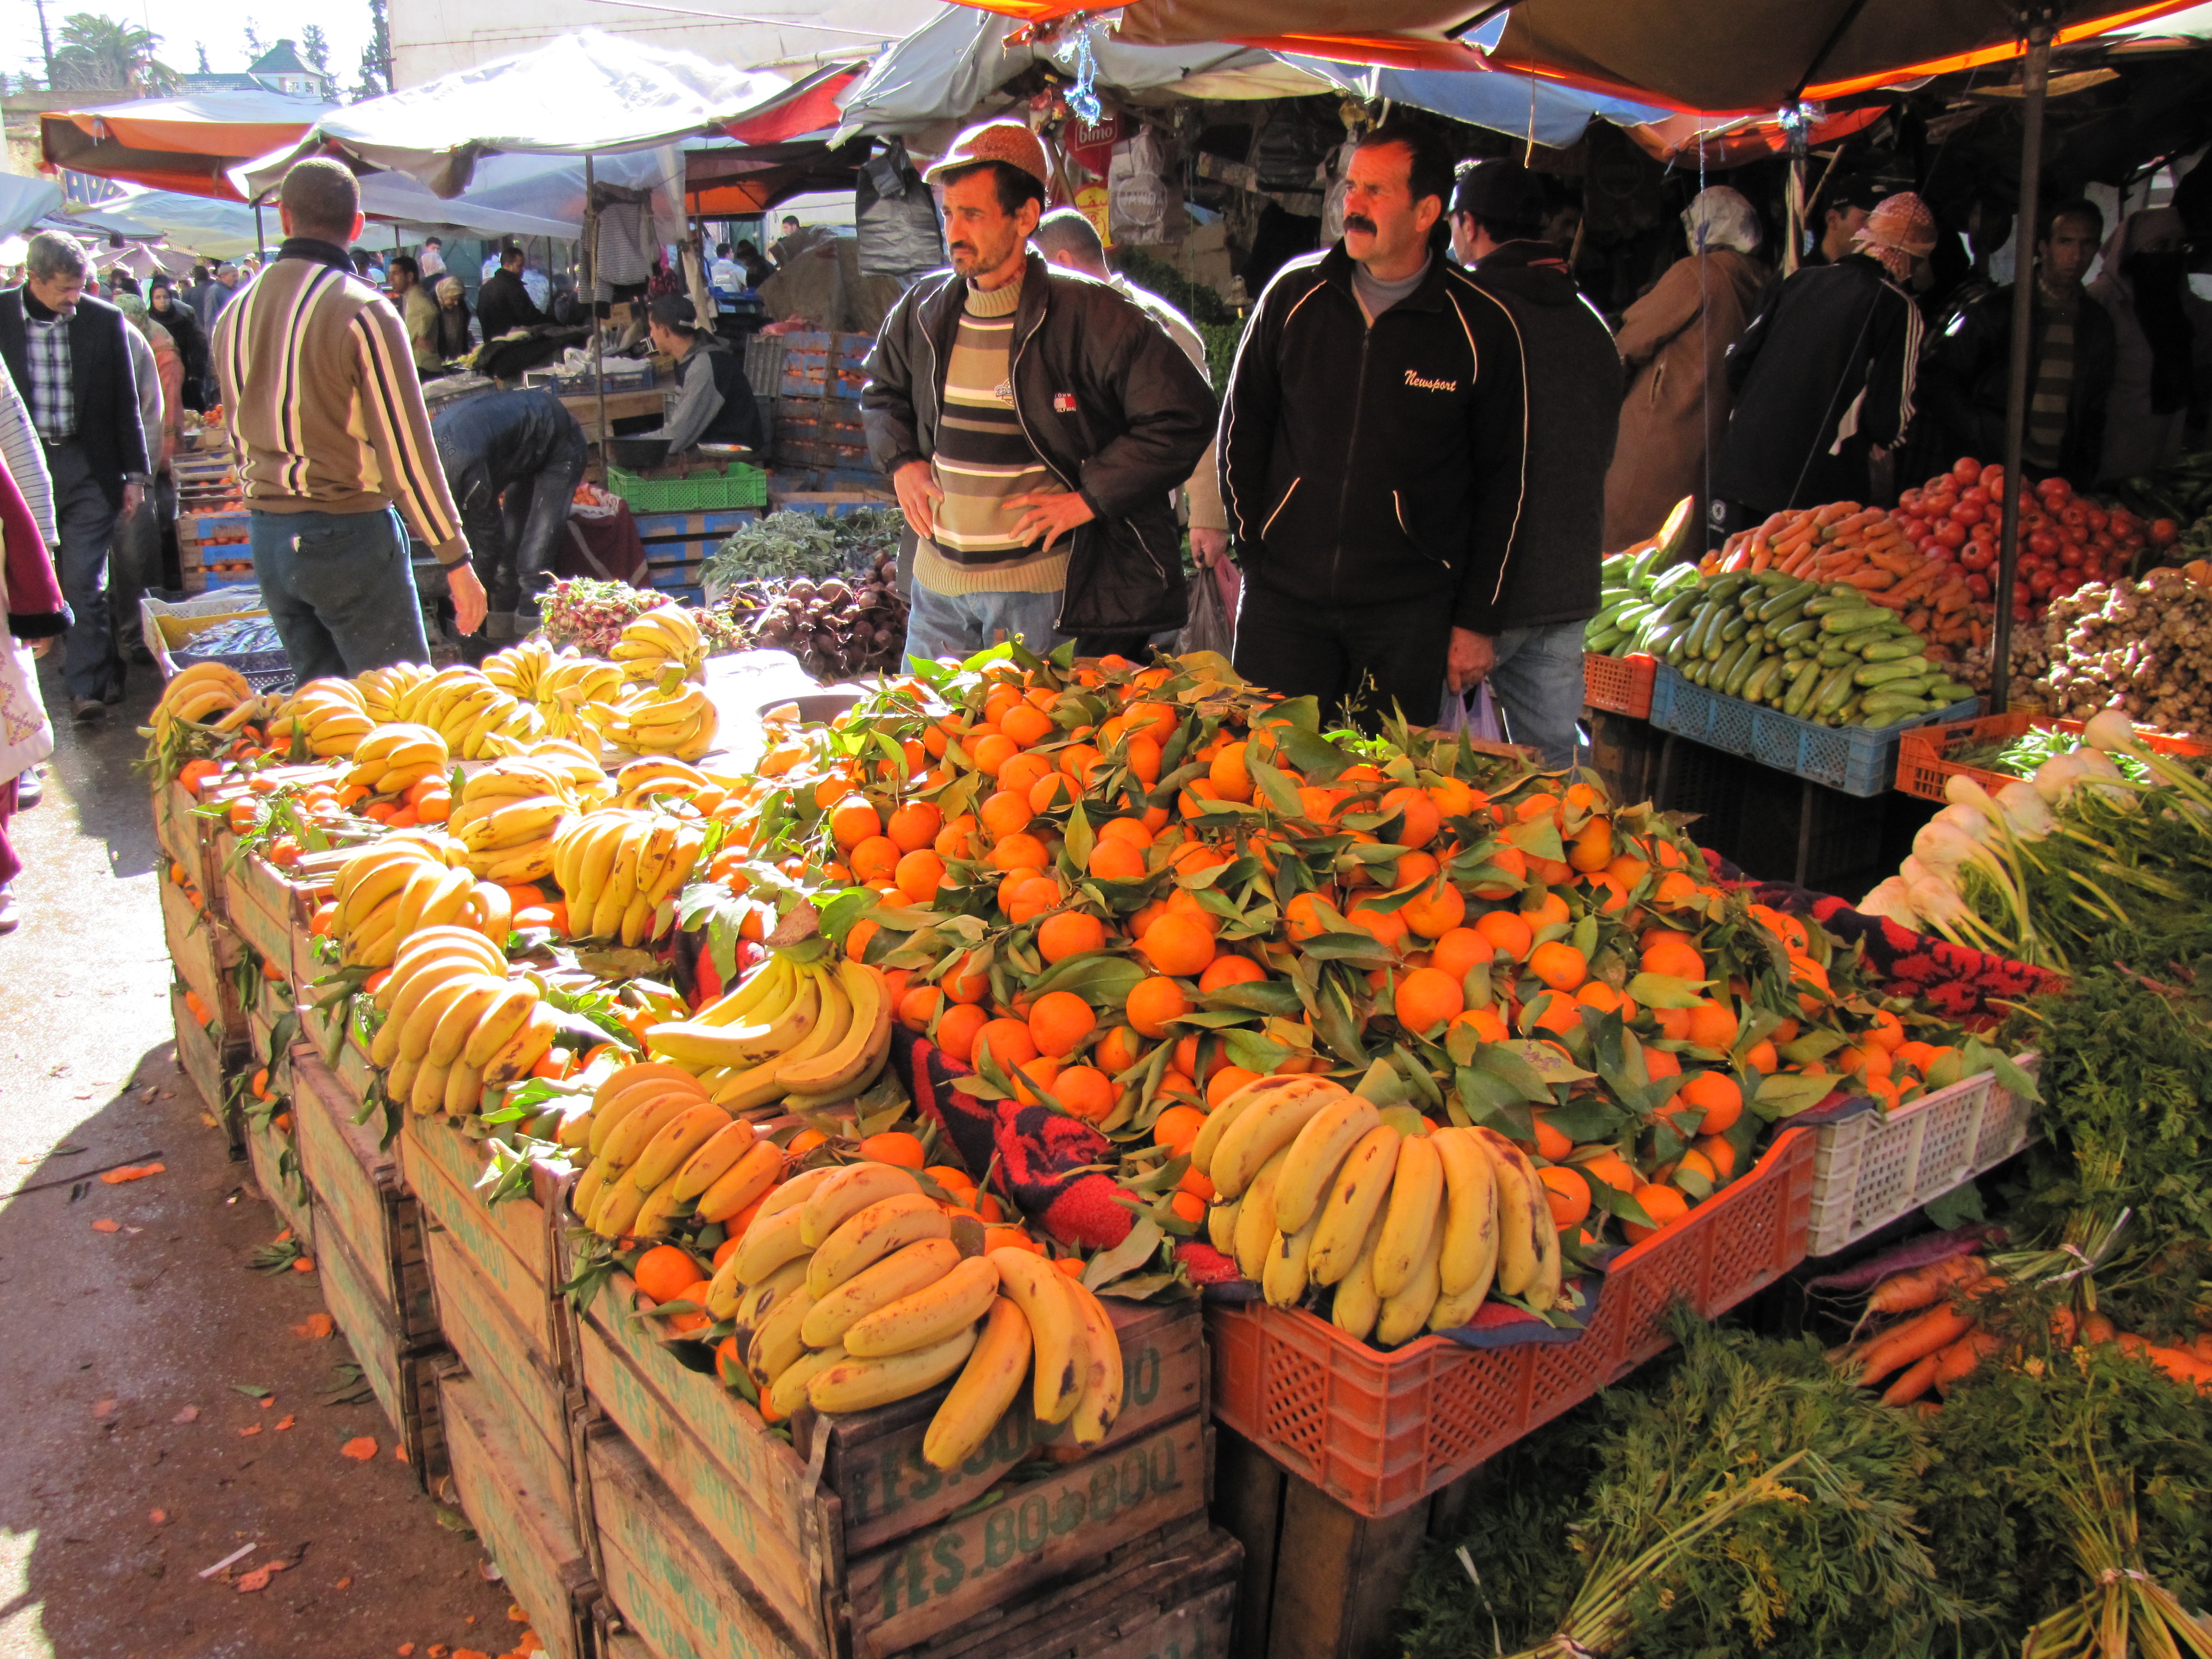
(327, 420)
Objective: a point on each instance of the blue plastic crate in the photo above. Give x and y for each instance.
(1858, 760)
(1706, 717)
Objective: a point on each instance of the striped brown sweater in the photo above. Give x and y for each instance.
(325, 407)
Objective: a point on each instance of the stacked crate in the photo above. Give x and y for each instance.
(213, 546)
(678, 545)
(816, 439)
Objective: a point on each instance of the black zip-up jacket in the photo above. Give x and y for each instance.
(1965, 371)
(106, 391)
(1109, 402)
(503, 304)
(1377, 466)
(500, 438)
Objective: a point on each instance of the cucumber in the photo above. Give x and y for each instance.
(1797, 633)
(1801, 686)
(1832, 600)
(1739, 676)
(1725, 665)
(1703, 620)
(1605, 643)
(1856, 643)
(1731, 630)
(1851, 622)
(1724, 588)
(1880, 673)
(1891, 650)
(1763, 679)
(1947, 692)
(1677, 606)
(1834, 692)
(1788, 599)
(1834, 656)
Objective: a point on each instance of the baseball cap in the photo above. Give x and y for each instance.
(1858, 190)
(1009, 141)
(1504, 192)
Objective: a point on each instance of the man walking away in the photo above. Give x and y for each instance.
(2073, 349)
(1370, 448)
(67, 353)
(1035, 424)
(1522, 629)
(1823, 378)
(503, 304)
(514, 459)
(328, 424)
(1067, 239)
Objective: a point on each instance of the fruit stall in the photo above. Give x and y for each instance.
(1041, 1152)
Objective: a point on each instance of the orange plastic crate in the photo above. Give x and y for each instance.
(1922, 770)
(1620, 685)
(1380, 1430)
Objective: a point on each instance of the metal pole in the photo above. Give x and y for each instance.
(591, 305)
(2035, 79)
(259, 240)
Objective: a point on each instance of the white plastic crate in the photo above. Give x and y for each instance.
(166, 624)
(1870, 1170)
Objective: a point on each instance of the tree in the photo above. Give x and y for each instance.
(376, 55)
(254, 45)
(315, 47)
(201, 46)
(103, 52)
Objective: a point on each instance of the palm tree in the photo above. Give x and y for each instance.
(99, 52)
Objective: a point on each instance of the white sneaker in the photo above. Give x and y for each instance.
(9, 919)
(30, 788)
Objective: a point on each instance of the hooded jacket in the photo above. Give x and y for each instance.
(1375, 466)
(1109, 402)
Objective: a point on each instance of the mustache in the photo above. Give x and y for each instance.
(1359, 222)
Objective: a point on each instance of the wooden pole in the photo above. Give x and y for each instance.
(2035, 80)
(592, 307)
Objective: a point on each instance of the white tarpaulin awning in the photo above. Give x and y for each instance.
(583, 94)
(24, 202)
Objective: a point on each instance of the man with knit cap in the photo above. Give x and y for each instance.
(1035, 425)
(1823, 378)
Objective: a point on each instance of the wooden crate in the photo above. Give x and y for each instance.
(516, 1374)
(272, 1148)
(189, 839)
(272, 1025)
(359, 1195)
(509, 1244)
(861, 1531)
(714, 528)
(206, 953)
(1168, 1595)
(524, 1526)
(207, 1064)
(616, 1639)
(403, 1374)
(271, 910)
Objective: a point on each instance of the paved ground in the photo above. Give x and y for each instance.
(132, 1459)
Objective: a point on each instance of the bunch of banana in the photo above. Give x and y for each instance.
(660, 640)
(847, 1292)
(408, 865)
(507, 816)
(681, 723)
(1314, 1188)
(576, 695)
(382, 688)
(800, 1034)
(642, 781)
(587, 783)
(620, 871)
(202, 693)
(466, 709)
(660, 1151)
(393, 759)
(329, 713)
(454, 1023)
(518, 669)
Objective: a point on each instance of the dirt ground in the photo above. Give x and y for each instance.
(165, 1407)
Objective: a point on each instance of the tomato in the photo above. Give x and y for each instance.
(1977, 495)
(1939, 504)
(2042, 542)
(1914, 528)
(1951, 533)
(1909, 500)
(2055, 490)
(1979, 586)
(1965, 470)
(1975, 557)
(2099, 520)
(1968, 512)
(1992, 479)
(1929, 548)
(2164, 532)
(2041, 583)
(2070, 555)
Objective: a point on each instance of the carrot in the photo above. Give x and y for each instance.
(1898, 564)
(1922, 1287)
(1869, 579)
(1922, 1334)
(2180, 1365)
(1834, 512)
(1912, 1382)
(1959, 1358)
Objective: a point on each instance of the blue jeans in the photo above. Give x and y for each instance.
(958, 625)
(1537, 683)
(340, 590)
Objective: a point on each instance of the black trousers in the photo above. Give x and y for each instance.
(1375, 658)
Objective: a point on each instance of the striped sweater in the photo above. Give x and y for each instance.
(325, 407)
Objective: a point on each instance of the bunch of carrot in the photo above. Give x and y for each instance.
(1867, 549)
(1939, 1340)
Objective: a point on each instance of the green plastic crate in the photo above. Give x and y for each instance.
(736, 485)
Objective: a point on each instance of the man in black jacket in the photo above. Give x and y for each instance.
(503, 304)
(514, 459)
(1525, 635)
(1824, 376)
(1372, 451)
(1966, 371)
(67, 354)
(1035, 425)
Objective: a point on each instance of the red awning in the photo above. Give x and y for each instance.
(807, 105)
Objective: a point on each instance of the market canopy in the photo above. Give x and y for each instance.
(1719, 55)
(216, 228)
(24, 202)
(582, 94)
(1545, 112)
(188, 143)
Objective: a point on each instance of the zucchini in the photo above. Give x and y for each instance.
(1834, 692)
(1724, 588)
(1762, 679)
(1798, 632)
(1739, 678)
(1731, 630)
(1851, 622)
(1880, 673)
(1856, 643)
(1891, 650)
(1834, 656)
(1788, 599)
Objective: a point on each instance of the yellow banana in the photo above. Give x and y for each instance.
(696, 1042)
(622, 1091)
(839, 1061)
(1417, 1188)
(846, 1192)
(776, 1343)
(797, 1190)
(1316, 1155)
(1348, 1219)
(888, 1225)
(586, 1193)
(1041, 1292)
(756, 1302)
(524, 1049)
(859, 1385)
(657, 1218)
(1221, 1226)
(1405, 1315)
(1256, 1219)
(716, 1157)
(1470, 1253)
(788, 1392)
(508, 1015)
(770, 1242)
(462, 1016)
(667, 1152)
(952, 1303)
(891, 1282)
(1104, 1379)
(989, 1379)
(619, 1203)
(1528, 1240)
(1266, 1128)
(1283, 1275)
(628, 1140)
(1356, 1306)
(746, 1180)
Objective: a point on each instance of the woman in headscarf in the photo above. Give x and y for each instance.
(454, 341)
(1675, 343)
(2163, 352)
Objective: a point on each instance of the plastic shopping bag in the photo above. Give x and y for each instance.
(1211, 627)
(1475, 714)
